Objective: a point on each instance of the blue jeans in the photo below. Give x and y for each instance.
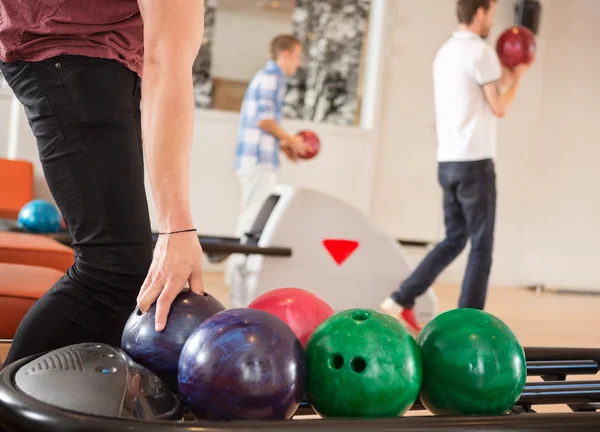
(469, 213)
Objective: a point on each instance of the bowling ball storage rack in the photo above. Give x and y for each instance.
(21, 412)
(216, 248)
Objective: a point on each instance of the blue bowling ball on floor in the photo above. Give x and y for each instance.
(242, 364)
(159, 351)
(39, 216)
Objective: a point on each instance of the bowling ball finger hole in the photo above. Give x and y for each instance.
(358, 364)
(336, 361)
(360, 315)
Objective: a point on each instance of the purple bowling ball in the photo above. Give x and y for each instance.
(159, 351)
(242, 364)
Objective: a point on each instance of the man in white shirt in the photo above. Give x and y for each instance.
(471, 91)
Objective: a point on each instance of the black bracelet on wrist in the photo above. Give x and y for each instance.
(177, 232)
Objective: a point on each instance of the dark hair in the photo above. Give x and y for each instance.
(466, 9)
(282, 43)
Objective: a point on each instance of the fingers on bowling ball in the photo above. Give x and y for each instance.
(242, 364)
(473, 364)
(312, 141)
(362, 363)
(515, 46)
(301, 310)
(159, 351)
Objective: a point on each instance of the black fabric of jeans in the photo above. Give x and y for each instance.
(85, 115)
(469, 213)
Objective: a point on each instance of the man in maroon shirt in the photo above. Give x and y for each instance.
(76, 67)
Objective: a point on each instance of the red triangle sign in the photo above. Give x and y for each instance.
(340, 250)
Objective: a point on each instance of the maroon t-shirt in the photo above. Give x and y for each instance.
(35, 30)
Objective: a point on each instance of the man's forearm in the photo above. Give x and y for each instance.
(271, 127)
(167, 131)
(173, 31)
(507, 78)
(509, 95)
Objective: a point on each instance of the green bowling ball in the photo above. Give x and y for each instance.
(362, 363)
(473, 364)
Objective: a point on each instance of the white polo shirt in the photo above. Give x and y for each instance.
(465, 123)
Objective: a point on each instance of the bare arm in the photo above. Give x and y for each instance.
(500, 101)
(290, 145)
(507, 77)
(270, 126)
(173, 32)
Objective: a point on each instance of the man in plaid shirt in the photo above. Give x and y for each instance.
(261, 136)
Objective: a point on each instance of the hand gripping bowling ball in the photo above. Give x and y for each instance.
(242, 364)
(312, 141)
(362, 363)
(472, 364)
(159, 351)
(301, 310)
(39, 216)
(515, 46)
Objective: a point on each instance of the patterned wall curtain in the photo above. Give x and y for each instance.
(325, 88)
(202, 66)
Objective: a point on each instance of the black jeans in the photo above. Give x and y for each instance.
(469, 212)
(85, 115)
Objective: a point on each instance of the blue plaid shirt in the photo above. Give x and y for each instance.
(263, 100)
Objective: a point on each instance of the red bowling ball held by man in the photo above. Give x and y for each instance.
(516, 46)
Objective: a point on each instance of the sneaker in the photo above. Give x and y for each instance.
(405, 316)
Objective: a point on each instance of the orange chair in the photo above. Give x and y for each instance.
(16, 186)
(20, 287)
(35, 249)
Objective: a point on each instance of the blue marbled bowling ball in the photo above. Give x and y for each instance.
(242, 364)
(39, 216)
(159, 351)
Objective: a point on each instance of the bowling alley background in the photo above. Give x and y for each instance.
(384, 163)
